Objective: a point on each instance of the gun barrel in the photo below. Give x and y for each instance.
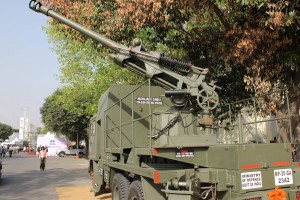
(38, 7)
(169, 73)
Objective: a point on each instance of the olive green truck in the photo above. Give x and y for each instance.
(160, 140)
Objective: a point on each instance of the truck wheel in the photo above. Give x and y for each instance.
(120, 187)
(136, 191)
(61, 154)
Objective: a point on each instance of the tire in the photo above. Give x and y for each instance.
(120, 187)
(136, 191)
(61, 154)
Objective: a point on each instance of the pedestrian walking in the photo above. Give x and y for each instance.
(2, 151)
(42, 156)
(10, 150)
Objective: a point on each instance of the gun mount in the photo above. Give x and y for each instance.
(185, 82)
(143, 147)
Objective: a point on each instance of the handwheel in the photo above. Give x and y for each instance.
(208, 99)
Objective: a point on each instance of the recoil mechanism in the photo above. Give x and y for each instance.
(174, 64)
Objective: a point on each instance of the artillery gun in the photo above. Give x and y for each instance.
(159, 140)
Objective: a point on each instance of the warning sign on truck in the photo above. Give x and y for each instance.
(147, 100)
(251, 180)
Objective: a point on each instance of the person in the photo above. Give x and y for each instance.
(10, 150)
(38, 150)
(42, 156)
(3, 151)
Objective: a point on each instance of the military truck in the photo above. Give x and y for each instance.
(160, 140)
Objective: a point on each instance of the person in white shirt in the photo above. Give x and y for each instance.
(42, 156)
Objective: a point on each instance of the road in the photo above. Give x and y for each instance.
(63, 179)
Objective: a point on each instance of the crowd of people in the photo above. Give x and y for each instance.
(10, 149)
(41, 152)
(4, 149)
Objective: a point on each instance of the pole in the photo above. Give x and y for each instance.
(77, 154)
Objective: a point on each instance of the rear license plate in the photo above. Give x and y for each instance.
(283, 176)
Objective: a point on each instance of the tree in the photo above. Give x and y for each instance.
(254, 43)
(85, 74)
(5, 131)
(221, 35)
(59, 120)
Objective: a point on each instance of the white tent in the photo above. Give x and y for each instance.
(53, 143)
(14, 141)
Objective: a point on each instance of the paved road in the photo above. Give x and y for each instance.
(22, 178)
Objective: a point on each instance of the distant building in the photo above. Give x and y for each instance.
(23, 128)
(27, 132)
(32, 135)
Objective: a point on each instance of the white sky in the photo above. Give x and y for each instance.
(28, 68)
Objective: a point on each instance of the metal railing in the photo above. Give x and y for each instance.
(238, 122)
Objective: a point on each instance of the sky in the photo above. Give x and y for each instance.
(28, 67)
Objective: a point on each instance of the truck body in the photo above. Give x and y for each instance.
(183, 162)
(160, 140)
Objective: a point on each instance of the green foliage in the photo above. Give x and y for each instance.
(236, 40)
(5, 131)
(85, 74)
(62, 121)
(40, 130)
(252, 2)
